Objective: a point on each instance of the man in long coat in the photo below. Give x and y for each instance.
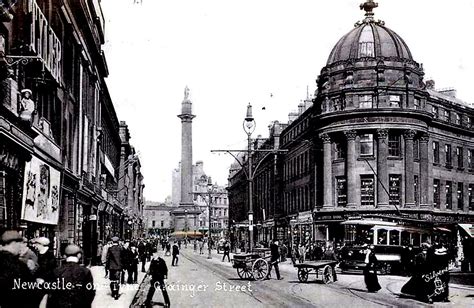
(82, 292)
(115, 266)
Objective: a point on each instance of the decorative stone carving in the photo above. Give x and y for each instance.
(382, 133)
(350, 134)
(409, 134)
(424, 137)
(325, 137)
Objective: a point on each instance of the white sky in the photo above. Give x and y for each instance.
(232, 52)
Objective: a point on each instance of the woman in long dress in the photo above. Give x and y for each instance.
(370, 271)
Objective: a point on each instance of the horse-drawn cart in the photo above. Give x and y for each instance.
(325, 268)
(252, 265)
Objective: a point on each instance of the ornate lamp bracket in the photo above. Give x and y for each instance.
(11, 60)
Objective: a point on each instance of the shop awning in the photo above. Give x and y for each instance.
(468, 228)
(189, 234)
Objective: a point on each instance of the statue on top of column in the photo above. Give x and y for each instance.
(186, 93)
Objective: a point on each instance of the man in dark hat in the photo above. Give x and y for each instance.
(174, 262)
(114, 262)
(81, 291)
(14, 272)
(46, 259)
(159, 273)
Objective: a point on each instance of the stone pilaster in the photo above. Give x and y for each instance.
(382, 168)
(409, 175)
(424, 170)
(328, 198)
(350, 167)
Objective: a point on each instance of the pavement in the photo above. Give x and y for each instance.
(103, 296)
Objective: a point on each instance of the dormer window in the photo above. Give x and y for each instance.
(365, 101)
(457, 118)
(447, 115)
(394, 101)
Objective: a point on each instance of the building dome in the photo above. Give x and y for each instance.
(369, 39)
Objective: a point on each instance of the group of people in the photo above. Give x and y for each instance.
(30, 275)
(429, 280)
(120, 257)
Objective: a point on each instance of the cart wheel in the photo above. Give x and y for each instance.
(303, 274)
(260, 269)
(244, 273)
(327, 274)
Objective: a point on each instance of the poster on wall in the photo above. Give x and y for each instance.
(40, 192)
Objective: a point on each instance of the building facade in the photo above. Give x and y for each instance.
(60, 148)
(377, 141)
(157, 216)
(200, 196)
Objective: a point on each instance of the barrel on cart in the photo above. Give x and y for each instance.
(252, 265)
(325, 268)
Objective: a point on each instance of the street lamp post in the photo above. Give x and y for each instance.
(249, 127)
(209, 194)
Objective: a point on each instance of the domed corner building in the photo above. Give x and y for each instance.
(394, 159)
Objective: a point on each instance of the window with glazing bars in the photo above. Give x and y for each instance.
(365, 101)
(393, 145)
(366, 142)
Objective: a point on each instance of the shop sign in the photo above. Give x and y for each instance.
(8, 159)
(329, 217)
(44, 42)
(41, 192)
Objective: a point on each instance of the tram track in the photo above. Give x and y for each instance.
(267, 294)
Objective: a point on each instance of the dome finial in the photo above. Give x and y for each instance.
(368, 7)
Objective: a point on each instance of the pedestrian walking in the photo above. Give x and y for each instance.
(105, 249)
(201, 246)
(168, 249)
(370, 270)
(72, 273)
(115, 266)
(283, 252)
(98, 255)
(274, 260)
(142, 254)
(11, 269)
(174, 262)
(416, 285)
(127, 263)
(226, 251)
(46, 260)
(159, 273)
(195, 245)
(133, 266)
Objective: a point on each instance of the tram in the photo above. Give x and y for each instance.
(389, 238)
